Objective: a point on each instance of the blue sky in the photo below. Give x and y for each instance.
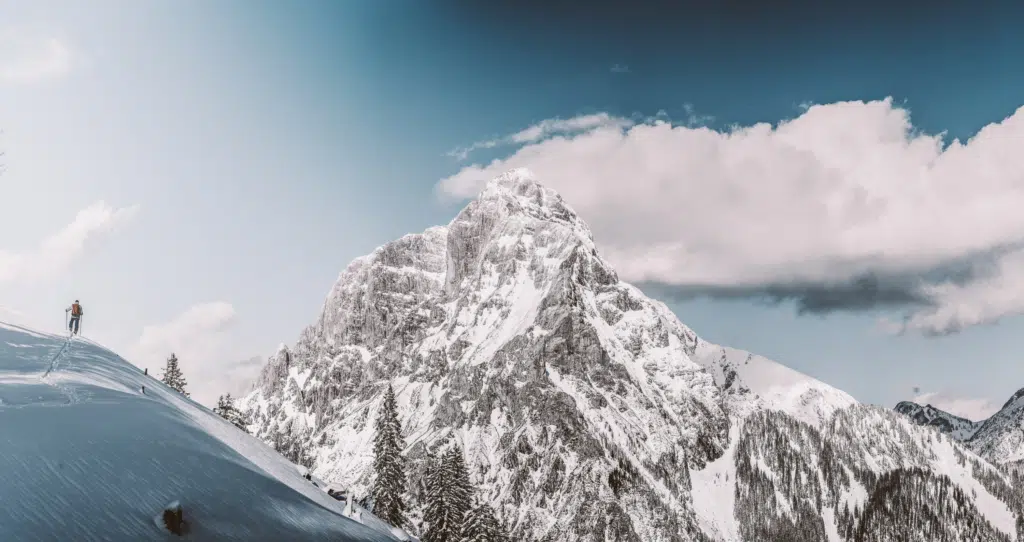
(245, 152)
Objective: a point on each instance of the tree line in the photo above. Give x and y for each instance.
(450, 511)
(174, 378)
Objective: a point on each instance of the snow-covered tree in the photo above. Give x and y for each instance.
(435, 515)
(292, 440)
(460, 493)
(482, 525)
(226, 409)
(389, 486)
(449, 495)
(173, 376)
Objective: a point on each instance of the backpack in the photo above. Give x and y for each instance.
(76, 309)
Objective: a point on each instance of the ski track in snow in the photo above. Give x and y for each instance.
(108, 459)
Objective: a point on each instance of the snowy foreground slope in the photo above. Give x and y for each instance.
(588, 412)
(85, 455)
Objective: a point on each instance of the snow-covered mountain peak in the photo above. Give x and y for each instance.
(582, 406)
(518, 183)
(522, 186)
(519, 192)
(1000, 438)
(516, 221)
(957, 427)
(512, 179)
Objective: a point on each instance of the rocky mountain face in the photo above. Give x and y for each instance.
(998, 439)
(959, 428)
(589, 412)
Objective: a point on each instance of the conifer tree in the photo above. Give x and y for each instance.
(389, 486)
(435, 514)
(449, 495)
(460, 492)
(226, 409)
(173, 376)
(482, 525)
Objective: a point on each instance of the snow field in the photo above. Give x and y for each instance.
(85, 455)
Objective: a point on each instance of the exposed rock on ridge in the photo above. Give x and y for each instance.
(959, 428)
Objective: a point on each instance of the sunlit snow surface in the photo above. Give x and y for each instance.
(85, 455)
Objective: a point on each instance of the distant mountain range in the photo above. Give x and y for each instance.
(959, 428)
(998, 439)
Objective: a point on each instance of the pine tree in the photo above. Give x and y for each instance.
(434, 513)
(173, 376)
(449, 496)
(227, 410)
(460, 492)
(389, 487)
(481, 525)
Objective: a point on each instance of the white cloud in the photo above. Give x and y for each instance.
(841, 192)
(543, 130)
(197, 337)
(974, 409)
(56, 252)
(28, 57)
(984, 301)
(620, 68)
(240, 375)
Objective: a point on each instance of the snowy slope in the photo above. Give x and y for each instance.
(879, 440)
(357, 512)
(752, 383)
(85, 455)
(1000, 439)
(792, 479)
(714, 493)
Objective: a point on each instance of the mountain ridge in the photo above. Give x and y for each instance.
(999, 438)
(958, 427)
(584, 408)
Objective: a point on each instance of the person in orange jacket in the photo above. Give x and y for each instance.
(76, 314)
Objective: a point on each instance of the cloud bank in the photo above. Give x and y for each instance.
(845, 207)
(197, 338)
(58, 251)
